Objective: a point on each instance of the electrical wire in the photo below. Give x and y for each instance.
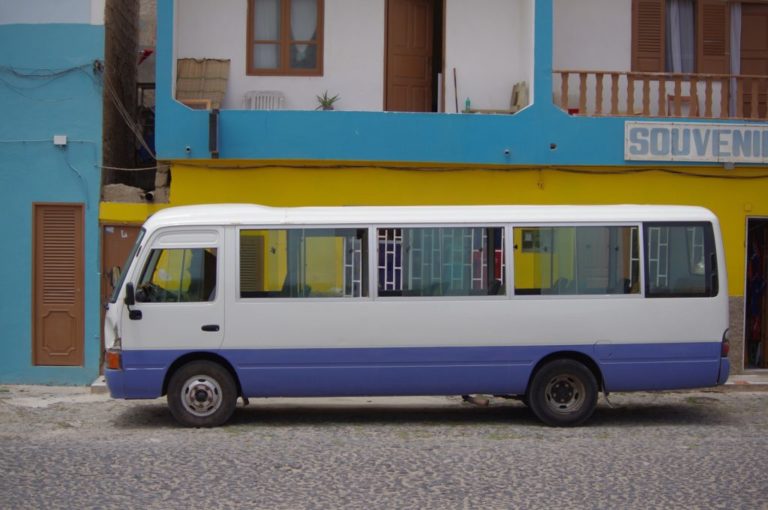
(123, 112)
(83, 182)
(505, 169)
(48, 74)
(47, 140)
(123, 169)
(90, 69)
(43, 75)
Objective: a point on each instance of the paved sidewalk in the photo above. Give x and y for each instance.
(65, 447)
(747, 382)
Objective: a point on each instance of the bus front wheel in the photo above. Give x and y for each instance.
(202, 394)
(563, 393)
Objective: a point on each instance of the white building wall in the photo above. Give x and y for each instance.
(489, 42)
(526, 44)
(353, 59)
(51, 11)
(592, 34)
(485, 42)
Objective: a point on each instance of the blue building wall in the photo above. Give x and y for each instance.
(48, 86)
(541, 135)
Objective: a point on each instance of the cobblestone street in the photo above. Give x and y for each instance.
(67, 448)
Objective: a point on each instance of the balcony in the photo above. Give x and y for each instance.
(617, 93)
(483, 50)
(696, 59)
(375, 56)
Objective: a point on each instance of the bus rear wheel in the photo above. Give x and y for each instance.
(202, 394)
(563, 393)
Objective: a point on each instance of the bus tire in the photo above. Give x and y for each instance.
(563, 393)
(202, 394)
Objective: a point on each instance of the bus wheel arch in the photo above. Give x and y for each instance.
(563, 389)
(200, 356)
(202, 393)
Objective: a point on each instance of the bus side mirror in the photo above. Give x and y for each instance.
(114, 276)
(130, 300)
(130, 295)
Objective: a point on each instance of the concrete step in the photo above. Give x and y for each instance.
(99, 386)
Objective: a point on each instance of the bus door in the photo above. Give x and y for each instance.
(179, 299)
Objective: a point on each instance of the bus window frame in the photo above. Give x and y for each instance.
(289, 299)
(710, 269)
(524, 226)
(509, 259)
(373, 238)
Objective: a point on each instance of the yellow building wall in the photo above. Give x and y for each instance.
(732, 194)
(271, 274)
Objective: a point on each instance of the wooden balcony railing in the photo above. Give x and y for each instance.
(614, 93)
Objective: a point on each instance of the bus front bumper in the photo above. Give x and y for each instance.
(134, 384)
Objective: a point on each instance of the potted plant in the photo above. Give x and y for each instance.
(326, 102)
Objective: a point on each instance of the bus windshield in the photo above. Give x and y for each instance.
(124, 268)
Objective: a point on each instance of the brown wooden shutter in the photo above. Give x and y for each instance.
(712, 37)
(58, 309)
(251, 264)
(648, 18)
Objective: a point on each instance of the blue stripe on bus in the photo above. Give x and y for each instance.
(427, 370)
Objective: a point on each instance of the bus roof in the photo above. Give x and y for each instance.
(251, 214)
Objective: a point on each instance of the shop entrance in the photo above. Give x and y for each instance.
(756, 310)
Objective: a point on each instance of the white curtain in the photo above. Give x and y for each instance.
(266, 26)
(735, 54)
(680, 48)
(303, 27)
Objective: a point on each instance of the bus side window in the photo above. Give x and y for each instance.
(591, 259)
(299, 263)
(441, 261)
(680, 260)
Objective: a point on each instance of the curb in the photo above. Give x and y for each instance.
(743, 386)
(99, 386)
(744, 382)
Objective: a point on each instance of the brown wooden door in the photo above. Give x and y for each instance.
(410, 25)
(116, 244)
(58, 273)
(754, 53)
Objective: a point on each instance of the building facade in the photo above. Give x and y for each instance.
(51, 82)
(483, 102)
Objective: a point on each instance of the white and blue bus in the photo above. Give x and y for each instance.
(551, 304)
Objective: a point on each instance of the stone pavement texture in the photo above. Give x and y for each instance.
(70, 448)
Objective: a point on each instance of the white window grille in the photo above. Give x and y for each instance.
(390, 259)
(353, 267)
(658, 259)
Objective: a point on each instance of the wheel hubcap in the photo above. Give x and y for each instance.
(564, 394)
(201, 395)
